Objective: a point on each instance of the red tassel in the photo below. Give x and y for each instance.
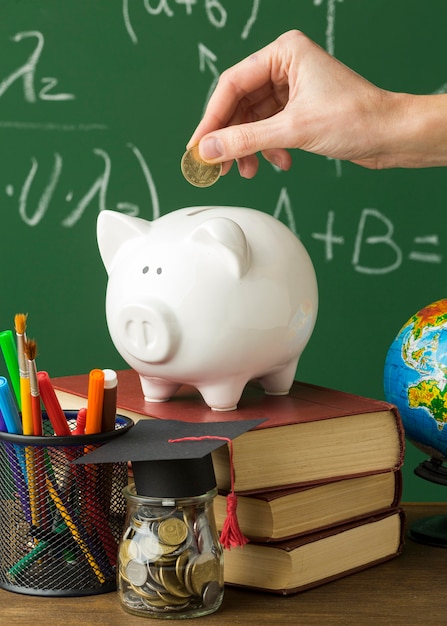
(231, 535)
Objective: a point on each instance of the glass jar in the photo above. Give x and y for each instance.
(170, 560)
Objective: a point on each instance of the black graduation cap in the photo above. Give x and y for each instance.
(164, 467)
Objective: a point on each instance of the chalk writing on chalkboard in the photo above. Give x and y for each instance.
(27, 73)
(215, 11)
(373, 249)
(374, 231)
(96, 195)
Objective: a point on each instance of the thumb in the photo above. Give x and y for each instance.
(235, 142)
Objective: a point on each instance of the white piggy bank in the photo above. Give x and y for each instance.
(210, 297)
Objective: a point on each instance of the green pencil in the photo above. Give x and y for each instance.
(9, 349)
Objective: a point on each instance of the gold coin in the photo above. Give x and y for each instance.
(129, 550)
(172, 584)
(122, 573)
(172, 531)
(197, 171)
(155, 602)
(170, 600)
(167, 552)
(205, 568)
(180, 565)
(154, 573)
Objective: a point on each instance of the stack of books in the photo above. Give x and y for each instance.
(318, 482)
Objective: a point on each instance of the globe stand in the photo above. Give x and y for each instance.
(431, 530)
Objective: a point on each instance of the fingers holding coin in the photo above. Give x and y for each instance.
(197, 171)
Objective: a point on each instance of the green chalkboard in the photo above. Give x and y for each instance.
(97, 101)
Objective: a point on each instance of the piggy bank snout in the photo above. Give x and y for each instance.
(149, 331)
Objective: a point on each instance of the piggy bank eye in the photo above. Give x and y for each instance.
(159, 270)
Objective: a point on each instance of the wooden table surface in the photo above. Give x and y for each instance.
(409, 590)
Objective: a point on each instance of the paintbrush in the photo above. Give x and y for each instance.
(38, 495)
(25, 392)
(30, 348)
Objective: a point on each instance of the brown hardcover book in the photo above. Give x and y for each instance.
(312, 435)
(281, 514)
(317, 558)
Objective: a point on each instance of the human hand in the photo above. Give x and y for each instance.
(292, 94)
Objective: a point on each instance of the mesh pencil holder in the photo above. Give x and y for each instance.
(60, 524)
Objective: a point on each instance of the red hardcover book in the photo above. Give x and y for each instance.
(311, 560)
(280, 514)
(314, 434)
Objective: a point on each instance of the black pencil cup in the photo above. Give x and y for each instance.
(60, 524)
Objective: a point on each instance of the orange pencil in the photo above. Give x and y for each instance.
(95, 400)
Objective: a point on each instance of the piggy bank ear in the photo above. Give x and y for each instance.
(227, 239)
(113, 229)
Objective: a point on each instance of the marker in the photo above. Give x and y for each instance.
(109, 403)
(95, 400)
(52, 406)
(8, 408)
(80, 422)
(9, 349)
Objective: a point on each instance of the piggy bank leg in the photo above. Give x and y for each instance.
(278, 383)
(224, 395)
(157, 389)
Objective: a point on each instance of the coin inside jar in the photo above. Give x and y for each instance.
(136, 572)
(150, 547)
(211, 593)
(203, 569)
(172, 583)
(129, 550)
(173, 531)
(197, 171)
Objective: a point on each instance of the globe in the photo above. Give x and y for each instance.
(415, 378)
